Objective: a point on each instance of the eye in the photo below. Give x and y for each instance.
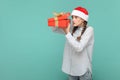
(76, 17)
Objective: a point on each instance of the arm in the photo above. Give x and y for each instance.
(62, 30)
(57, 30)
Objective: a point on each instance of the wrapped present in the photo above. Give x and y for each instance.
(60, 20)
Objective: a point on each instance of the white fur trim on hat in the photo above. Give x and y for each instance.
(80, 14)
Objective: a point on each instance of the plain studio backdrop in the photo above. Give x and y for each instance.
(29, 50)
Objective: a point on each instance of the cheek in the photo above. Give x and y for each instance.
(76, 22)
(79, 22)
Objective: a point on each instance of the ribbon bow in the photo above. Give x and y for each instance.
(58, 14)
(55, 17)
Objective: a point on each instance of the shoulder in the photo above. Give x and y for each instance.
(90, 28)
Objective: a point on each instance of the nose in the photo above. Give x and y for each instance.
(73, 19)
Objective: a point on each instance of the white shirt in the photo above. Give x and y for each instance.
(77, 56)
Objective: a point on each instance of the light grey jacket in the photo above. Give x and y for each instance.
(77, 56)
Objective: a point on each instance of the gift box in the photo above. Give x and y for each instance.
(60, 20)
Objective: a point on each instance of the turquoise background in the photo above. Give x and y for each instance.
(29, 50)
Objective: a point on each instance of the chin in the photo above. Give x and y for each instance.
(74, 25)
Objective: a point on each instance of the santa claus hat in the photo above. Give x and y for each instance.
(80, 12)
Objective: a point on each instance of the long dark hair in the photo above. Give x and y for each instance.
(83, 30)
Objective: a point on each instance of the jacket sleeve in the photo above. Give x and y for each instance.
(57, 30)
(85, 38)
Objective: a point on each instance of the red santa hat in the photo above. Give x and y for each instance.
(80, 12)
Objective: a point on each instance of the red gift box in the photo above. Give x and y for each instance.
(60, 20)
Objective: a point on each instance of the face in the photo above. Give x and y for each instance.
(77, 21)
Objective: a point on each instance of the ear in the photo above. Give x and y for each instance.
(82, 24)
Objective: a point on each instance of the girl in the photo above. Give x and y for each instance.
(79, 46)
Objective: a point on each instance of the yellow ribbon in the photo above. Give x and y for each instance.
(55, 18)
(58, 14)
(56, 21)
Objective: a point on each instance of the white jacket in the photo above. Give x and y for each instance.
(77, 56)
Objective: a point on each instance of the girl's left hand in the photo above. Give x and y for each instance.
(67, 29)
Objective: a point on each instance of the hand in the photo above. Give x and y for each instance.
(67, 29)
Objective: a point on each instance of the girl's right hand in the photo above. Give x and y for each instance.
(67, 29)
